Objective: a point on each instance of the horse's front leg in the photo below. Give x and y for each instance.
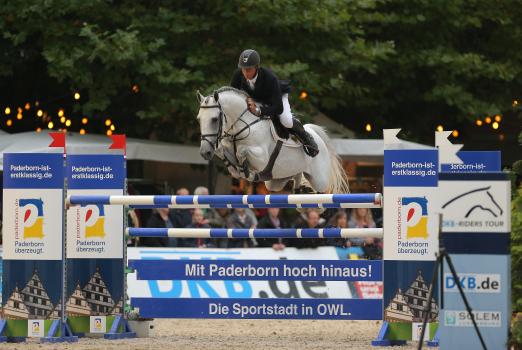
(253, 160)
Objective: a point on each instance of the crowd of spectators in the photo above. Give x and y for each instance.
(370, 248)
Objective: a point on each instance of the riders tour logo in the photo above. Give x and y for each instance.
(476, 208)
(29, 215)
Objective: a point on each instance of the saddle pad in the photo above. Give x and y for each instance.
(290, 142)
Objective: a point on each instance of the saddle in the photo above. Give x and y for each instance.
(280, 133)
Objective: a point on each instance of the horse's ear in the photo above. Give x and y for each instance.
(199, 96)
(216, 96)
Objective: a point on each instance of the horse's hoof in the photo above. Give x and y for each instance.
(305, 190)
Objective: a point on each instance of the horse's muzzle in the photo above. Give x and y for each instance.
(206, 151)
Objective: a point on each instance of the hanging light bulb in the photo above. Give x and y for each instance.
(38, 129)
(82, 131)
(109, 132)
(76, 96)
(113, 127)
(85, 120)
(478, 122)
(108, 122)
(368, 127)
(62, 119)
(440, 128)
(27, 106)
(50, 125)
(7, 110)
(494, 125)
(39, 113)
(488, 119)
(9, 122)
(455, 133)
(61, 112)
(68, 122)
(498, 118)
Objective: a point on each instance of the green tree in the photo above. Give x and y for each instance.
(381, 61)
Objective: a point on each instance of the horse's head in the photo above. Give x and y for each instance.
(210, 123)
(216, 113)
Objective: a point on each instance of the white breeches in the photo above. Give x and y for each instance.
(286, 116)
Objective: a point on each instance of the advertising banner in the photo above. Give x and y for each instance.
(33, 237)
(485, 281)
(475, 162)
(476, 229)
(229, 288)
(249, 283)
(94, 241)
(410, 239)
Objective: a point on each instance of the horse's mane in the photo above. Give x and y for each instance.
(230, 88)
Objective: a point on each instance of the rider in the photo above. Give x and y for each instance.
(263, 86)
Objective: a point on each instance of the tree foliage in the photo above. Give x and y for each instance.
(382, 61)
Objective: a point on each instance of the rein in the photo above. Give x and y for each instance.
(221, 134)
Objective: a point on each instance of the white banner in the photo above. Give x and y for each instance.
(33, 229)
(411, 229)
(474, 206)
(236, 289)
(94, 231)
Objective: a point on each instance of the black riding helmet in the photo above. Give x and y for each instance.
(249, 59)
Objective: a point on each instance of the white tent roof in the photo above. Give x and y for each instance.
(33, 142)
(365, 150)
(369, 150)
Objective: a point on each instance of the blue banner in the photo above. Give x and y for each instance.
(265, 270)
(475, 162)
(486, 283)
(411, 168)
(101, 171)
(328, 309)
(33, 170)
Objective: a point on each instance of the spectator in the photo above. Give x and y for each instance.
(372, 251)
(133, 221)
(217, 218)
(339, 220)
(182, 217)
(201, 191)
(160, 218)
(197, 222)
(271, 220)
(312, 221)
(360, 218)
(240, 219)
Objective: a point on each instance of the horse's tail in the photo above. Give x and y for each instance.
(338, 182)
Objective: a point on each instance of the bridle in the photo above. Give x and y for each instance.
(222, 134)
(217, 135)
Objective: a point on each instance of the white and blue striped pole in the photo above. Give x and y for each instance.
(356, 200)
(256, 233)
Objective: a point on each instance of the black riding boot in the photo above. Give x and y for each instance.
(309, 145)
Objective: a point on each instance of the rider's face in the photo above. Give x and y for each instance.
(249, 73)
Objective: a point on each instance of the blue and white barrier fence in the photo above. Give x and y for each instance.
(256, 232)
(358, 200)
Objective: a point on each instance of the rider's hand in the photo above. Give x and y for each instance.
(252, 106)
